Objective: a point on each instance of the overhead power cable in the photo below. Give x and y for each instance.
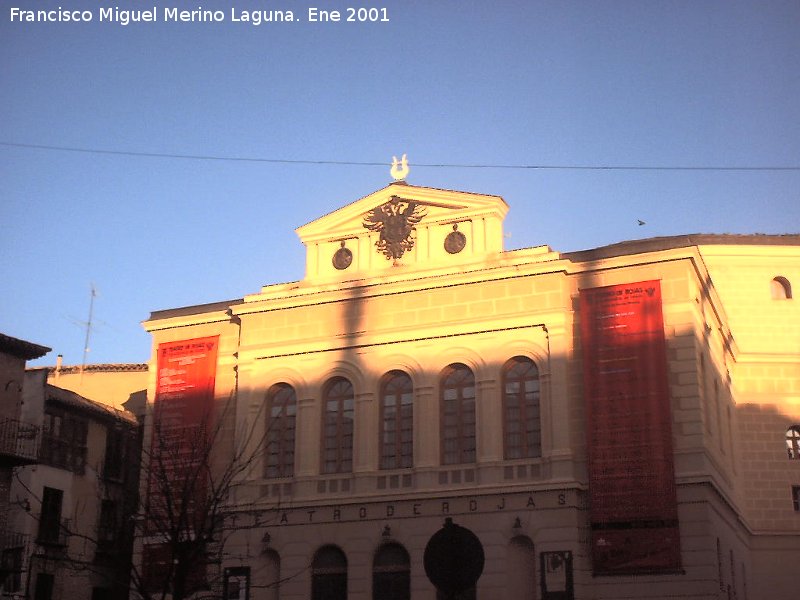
(384, 163)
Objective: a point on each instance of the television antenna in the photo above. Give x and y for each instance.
(88, 326)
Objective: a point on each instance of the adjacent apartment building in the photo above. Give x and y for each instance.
(71, 494)
(18, 447)
(425, 410)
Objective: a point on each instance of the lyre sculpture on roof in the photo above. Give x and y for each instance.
(399, 170)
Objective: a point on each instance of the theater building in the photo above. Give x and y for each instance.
(621, 422)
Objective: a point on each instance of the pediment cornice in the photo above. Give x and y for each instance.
(441, 206)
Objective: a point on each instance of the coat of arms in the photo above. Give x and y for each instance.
(394, 221)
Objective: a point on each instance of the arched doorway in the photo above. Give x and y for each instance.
(391, 573)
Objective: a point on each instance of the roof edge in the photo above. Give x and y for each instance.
(75, 400)
(682, 241)
(98, 368)
(197, 309)
(21, 348)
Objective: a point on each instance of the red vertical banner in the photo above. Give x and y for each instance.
(633, 501)
(186, 376)
(183, 421)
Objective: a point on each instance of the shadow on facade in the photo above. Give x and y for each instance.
(570, 466)
(488, 425)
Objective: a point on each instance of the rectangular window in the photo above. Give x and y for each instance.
(337, 429)
(113, 467)
(64, 440)
(50, 526)
(397, 423)
(796, 497)
(44, 586)
(107, 530)
(156, 559)
(237, 583)
(457, 417)
(522, 427)
(280, 431)
(557, 576)
(107, 525)
(11, 564)
(793, 441)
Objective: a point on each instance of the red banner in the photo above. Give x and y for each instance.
(634, 508)
(182, 423)
(186, 376)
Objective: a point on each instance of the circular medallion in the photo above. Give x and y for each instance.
(455, 242)
(342, 258)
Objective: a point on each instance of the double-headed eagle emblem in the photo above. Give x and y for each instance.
(394, 221)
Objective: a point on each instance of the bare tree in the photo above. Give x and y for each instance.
(189, 475)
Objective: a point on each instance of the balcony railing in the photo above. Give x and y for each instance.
(13, 560)
(11, 540)
(53, 533)
(18, 442)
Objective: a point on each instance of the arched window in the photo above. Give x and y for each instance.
(281, 415)
(329, 574)
(397, 428)
(781, 289)
(273, 575)
(521, 569)
(521, 420)
(457, 415)
(337, 427)
(391, 573)
(793, 441)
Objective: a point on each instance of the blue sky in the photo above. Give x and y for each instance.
(644, 83)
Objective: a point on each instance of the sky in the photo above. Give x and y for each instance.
(102, 124)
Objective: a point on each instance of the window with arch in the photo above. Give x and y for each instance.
(281, 417)
(329, 574)
(457, 401)
(391, 573)
(521, 420)
(397, 426)
(793, 441)
(272, 573)
(781, 289)
(337, 427)
(521, 569)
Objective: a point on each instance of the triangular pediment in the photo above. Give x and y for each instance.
(447, 205)
(441, 228)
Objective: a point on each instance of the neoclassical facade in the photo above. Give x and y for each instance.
(616, 422)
